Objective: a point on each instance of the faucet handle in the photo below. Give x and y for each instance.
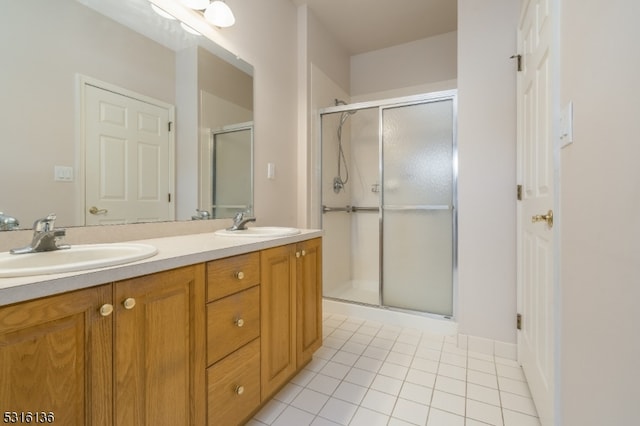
(45, 224)
(238, 217)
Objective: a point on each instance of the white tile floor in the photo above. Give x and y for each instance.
(371, 374)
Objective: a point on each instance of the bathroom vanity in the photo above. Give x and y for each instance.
(205, 332)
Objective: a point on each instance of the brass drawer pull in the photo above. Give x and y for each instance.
(106, 310)
(239, 275)
(129, 303)
(239, 390)
(239, 322)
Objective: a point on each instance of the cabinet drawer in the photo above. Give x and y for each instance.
(232, 322)
(233, 274)
(233, 386)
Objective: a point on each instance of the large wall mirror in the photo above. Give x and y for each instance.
(114, 114)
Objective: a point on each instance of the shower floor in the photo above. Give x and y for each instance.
(361, 291)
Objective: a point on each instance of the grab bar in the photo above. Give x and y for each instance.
(419, 207)
(349, 209)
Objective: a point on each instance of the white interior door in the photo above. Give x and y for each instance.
(128, 160)
(536, 171)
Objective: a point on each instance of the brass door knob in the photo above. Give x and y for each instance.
(106, 310)
(95, 210)
(544, 218)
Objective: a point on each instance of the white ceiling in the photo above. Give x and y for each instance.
(366, 25)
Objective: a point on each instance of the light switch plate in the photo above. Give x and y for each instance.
(566, 125)
(63, 173)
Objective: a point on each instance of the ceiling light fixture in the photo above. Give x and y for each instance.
(189, 29)
(219, 14)
(162, 12)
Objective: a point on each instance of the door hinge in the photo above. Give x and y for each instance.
(519, 59)
(169, 125)
(169, 197)
(519, 321)
(519, 192)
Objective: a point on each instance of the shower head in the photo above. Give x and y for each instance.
(338, 102)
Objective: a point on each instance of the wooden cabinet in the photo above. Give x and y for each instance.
(203, 344)
(55, 357)
(233, 339)
(309, 299)
(278, 310)
(233, 386)
(158, 348)
(128, 353)
(291, 310)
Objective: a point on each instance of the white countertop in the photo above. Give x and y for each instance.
(173, 252)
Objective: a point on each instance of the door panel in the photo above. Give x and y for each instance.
(418, 206)
(127, 159)
(536, 241)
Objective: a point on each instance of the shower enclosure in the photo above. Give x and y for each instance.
(389, 202)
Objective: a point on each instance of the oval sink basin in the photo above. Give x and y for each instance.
(77, 258)
(260, 232)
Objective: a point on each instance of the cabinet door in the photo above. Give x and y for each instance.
(159, 349)
(309, 295)
(277, 303)
(55, 357)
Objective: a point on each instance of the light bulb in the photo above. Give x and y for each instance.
(219, 14)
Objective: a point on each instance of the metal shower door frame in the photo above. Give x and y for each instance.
(407, 101)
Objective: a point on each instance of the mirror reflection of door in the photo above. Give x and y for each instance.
(232, 171)
(128, 159)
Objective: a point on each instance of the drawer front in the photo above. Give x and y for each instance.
(232, 322)
(233, 274)
(233, 386)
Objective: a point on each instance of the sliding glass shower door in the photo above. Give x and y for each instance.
(389, 222)
(417, 206)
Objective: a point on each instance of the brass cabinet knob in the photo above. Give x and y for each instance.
(239, 322)
(304, 253)
(240, 275)
(239, 390)
(106, 310)
(129, 303)
(298, 254)
(544, 218)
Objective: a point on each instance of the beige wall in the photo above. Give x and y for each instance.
(429, 60)
(487, 168)
(44, 45)
(600, 214)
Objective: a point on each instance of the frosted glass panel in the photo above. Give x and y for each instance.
(418, 256)
(417, 149)
(418, 152)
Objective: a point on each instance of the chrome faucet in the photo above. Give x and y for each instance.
(240, 222)
(8, 223)
(201, 215)
(45, 237)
